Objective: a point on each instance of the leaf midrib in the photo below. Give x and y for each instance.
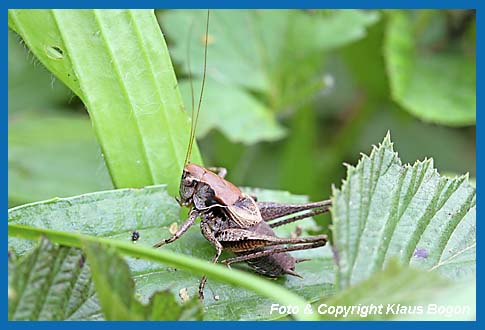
(124, 90)
(156, 83)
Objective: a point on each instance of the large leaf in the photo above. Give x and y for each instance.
(115, 214)
(116, 291)
(51, 283)
(35, 141)
(403, 293)
(387, 210)
(437, 87)
(118, 64)
(237, 114)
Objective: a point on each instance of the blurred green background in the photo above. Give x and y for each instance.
(290, 96)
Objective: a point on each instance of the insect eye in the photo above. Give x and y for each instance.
(190, 182)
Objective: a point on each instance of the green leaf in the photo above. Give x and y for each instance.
(151, 211)
(236, 113)
(118, 64)
(116, 291)
(437, 87)
(385, 210)
(34, 141)
(114, 286)
(404, 293)
(51, 283)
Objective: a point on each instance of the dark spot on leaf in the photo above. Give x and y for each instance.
(82, 261)
(420, 253)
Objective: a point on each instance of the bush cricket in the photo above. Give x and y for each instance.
(234, 221)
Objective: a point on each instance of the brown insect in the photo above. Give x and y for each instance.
(234, 221)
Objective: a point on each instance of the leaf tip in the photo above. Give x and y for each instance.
(387, 142)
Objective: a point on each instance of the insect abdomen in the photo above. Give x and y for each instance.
(275, 265)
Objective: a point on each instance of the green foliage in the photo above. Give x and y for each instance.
(261, 58)
(116, 292)
(385, 210)
(314, 88)
(125, 78)
(110, 217)
(237, 114)
(51, 283)
(39, 291)
(33, 144)
(438, 87)
(352, 111)
(452, 255)
(405, 294)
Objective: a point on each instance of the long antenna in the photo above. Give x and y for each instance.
(196, 119)
(191, 93)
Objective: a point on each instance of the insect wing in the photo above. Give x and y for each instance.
(245, 212)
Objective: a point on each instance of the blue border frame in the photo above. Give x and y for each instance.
(469, 4)
(414, 4)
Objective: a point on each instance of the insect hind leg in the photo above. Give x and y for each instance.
(270, 210)
(298, 217)
(267, 252)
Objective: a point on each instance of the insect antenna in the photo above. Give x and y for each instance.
(189, 148)
(195, 119)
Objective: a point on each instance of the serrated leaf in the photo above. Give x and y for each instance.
(51, 283)
(151, 211)
(398, 293)
(385, 210)
(449, 100)
(116, 292)
(118, 64)
(34, 141)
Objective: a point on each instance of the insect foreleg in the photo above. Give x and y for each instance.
(186, 225)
